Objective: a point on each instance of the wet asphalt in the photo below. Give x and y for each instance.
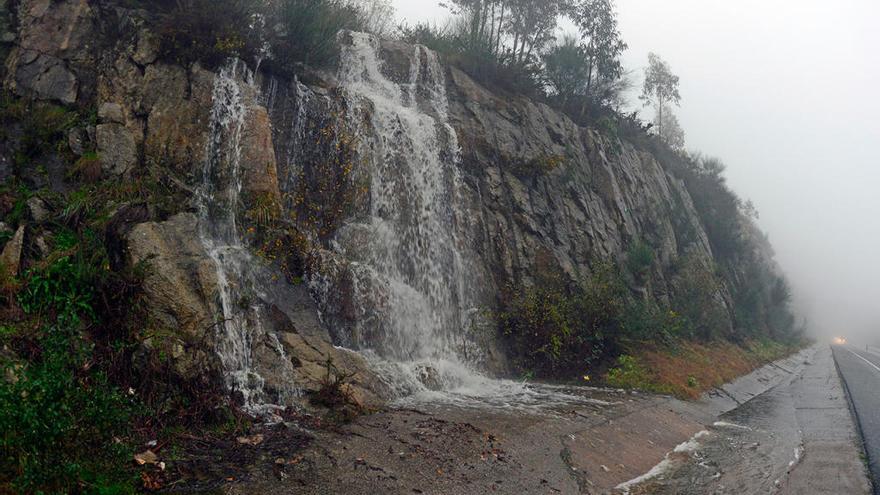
(860, 369)
(797, 438)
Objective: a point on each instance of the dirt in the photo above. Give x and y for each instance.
(590, 443)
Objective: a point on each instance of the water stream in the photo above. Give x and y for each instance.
(238, 291)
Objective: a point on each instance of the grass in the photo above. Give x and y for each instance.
(690, 369)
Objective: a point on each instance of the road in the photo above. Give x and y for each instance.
(860, 370)
(796, 438)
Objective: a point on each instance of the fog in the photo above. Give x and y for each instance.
(783, 92)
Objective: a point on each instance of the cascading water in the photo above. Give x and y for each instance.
(409, 278)
(218, 201)
(412, 292)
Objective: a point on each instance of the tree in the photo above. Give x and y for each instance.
(532, 25)
(566, 69)
(513, 31)
(661, 88)
(602, 45)
(673, 134)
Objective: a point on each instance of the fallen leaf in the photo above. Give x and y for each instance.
(152, 481)
(146, 457)
(252, 440)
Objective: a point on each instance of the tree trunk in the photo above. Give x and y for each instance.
(500, 29)
(660, 119)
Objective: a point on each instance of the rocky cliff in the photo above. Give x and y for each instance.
(363, 219)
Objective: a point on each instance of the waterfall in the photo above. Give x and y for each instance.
(239, 290)
(412, 292)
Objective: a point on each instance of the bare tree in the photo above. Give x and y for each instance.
(661, 88)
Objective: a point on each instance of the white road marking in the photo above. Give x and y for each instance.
(865, 360)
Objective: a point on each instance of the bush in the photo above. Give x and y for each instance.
(559, 332)
(629, 373)
(478, 60)
(562, 332)
(207, 31)
(64, 286)
(639, 258)
(60, 422)
(310, 28)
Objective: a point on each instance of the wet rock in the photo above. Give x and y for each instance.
(10, 258)
(180, 288)
(77, 141)
(117, 149)
(181, 281)
(38, 210)
(258, 154)
(45, 77)
(147, 50)
(179, 112)
(111, 113)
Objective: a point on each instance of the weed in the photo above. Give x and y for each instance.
(336, 396)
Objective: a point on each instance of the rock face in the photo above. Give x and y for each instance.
(54, 44)
(545, 191)
(527, 192)
(535, 195)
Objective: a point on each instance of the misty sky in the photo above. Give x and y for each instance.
(784, 92)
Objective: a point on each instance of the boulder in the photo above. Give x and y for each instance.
(181, 280)
(77, 140)
(117, 149)
(45, 77)
(38, 210)
(55, 40)
(10, 258)
(60, 27)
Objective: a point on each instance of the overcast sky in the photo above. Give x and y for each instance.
(784, 91)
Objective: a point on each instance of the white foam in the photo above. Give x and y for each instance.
(665, 465)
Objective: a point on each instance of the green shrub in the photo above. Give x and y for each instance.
(555, 331)
(639, 258)
(207, 31)
(560, 332)
(65, 286)
(629, 373)
(309, 30)
(61, 424)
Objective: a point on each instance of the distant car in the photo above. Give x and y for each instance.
(839, 340)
